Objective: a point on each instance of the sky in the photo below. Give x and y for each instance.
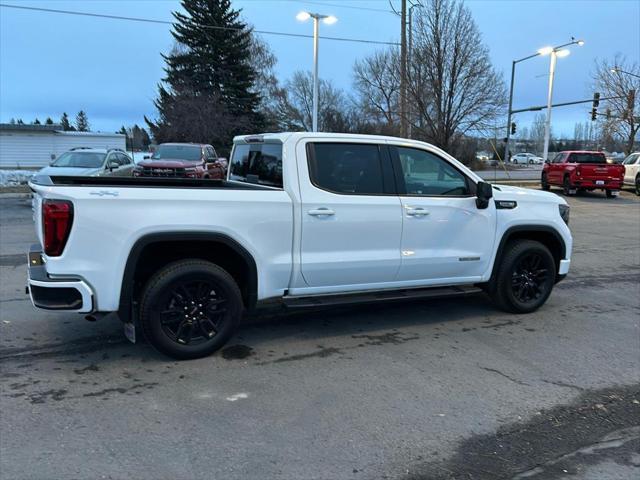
(50, 63)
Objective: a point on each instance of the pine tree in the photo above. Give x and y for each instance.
(48, 121)
(82, 122)
(208, 93)
(12, 121)
(36, 121)
(20, 122)
(64, 122)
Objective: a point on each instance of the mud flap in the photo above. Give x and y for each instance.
(130, 331)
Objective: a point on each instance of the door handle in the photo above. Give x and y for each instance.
(417, 212)
(318, 212)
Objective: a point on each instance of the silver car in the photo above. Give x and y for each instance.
(90, 162)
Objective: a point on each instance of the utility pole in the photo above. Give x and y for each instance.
(403, 69)
(547, 123)
(409, 56)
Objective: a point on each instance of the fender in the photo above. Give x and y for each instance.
(509, 232)
(125, 310)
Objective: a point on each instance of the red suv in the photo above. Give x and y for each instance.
(579, 171)
(186, 160)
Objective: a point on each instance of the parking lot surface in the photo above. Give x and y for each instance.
(436, 389)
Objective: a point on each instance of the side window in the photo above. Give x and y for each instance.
(427, 174)
(210, 155)
(257, 163)
(346, 168)
(124, 160)
(558, 158)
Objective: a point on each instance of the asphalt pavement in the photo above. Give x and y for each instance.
(438, 389)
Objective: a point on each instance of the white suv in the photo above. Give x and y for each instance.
(632, 171)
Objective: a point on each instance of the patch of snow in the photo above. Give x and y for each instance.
(237, 396)
(15, 177)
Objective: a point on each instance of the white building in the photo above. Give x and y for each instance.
(35, 146)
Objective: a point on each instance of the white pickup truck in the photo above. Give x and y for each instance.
(304, 220)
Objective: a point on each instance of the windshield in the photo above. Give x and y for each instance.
(80, 160)
(177, 152)
(630, 160)
(587, 158)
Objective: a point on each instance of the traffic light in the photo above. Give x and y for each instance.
(594, 109)
(513, 128)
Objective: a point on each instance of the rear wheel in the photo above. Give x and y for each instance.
(609, 194)
(638, 185)
(566, 186)
(190, 308)
(544, 182)
(525, 277)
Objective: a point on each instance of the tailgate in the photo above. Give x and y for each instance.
(601, 172)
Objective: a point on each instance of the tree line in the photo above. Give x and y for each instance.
(220, 82)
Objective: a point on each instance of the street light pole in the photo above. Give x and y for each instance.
(329, 20)
(617, 70)
(547, 125)
(316, 87)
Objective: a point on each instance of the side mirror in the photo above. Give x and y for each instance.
(484, 192)
(547, 161)
(113, 165)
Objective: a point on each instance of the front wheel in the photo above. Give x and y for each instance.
(525, 277)
(544, 182)
(566, 186)
(190, 308)
(638, 185)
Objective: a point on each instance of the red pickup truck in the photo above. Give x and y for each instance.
(186, 160)
(579, 171)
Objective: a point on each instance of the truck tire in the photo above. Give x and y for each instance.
(638, 185)
(609, 194)
(566, 186)
(544, 182)
(190, 308)
(525, 277)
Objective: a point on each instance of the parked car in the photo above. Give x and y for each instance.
(632, 171)
(579, 171)
(304, 220)
(186, 160)
(90, 162)
(526, 159)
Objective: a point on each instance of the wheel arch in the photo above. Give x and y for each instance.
(546, 235)
(151, 252)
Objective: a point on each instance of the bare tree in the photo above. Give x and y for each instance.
(536, 132)
(453, 87)
(622, 123)
(296, 105)
(377, 88)
(266, 82)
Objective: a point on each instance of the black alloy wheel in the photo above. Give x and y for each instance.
(524, 277)
(190, 308)
(530, 278)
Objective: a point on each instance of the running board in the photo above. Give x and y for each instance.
(309, 301)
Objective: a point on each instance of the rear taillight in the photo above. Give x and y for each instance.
(57, 218)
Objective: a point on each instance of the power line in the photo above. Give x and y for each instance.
(212, 27)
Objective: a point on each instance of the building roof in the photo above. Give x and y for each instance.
(30, 127)
(55, 128)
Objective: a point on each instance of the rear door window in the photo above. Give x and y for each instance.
(259, 163)
(347, 168)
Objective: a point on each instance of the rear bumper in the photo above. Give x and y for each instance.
(608, 184)
(70, 294)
